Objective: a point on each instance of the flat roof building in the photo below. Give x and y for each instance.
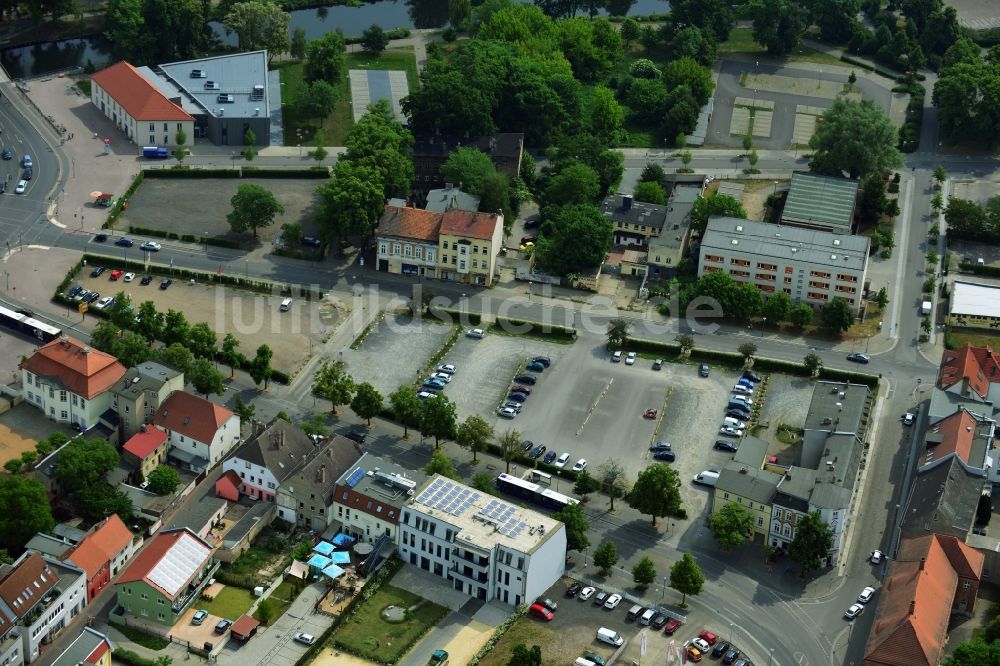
(810, 266)
(974, 305)
(824, 203)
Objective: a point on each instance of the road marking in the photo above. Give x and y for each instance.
(590, 412)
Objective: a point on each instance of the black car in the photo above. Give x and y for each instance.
(859, 358)
(101, 238)
(549, 457)
(665, 455)
(731, 655)
(526, 379)
(530, 223)
(527, 445)
(124, 241)
(222, 626)
(517, 397)
(658, 364)
(146, 279)
(660, 446)
(720, 648)
(27, 173)
(358, 436)
(73, 291)
(97, 271)
(3, 186)
(165, 282)
(738, 413)
(703, 370)
(311, 241)
(752, 376)
(574, 589)
(91, 297)
(537, 451)
(544, 360)
(725, 445)
(658, 621)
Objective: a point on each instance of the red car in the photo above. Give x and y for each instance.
(115, 274)
(649, 414)
(708, 636)
(672, 626)
(541, 612)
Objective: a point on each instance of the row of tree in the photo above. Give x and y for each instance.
(969, 220)
(967, 94)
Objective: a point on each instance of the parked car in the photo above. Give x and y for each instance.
(146, 279)
(423, 395)
(667, 456)
(431, 386)
(708, 637)
(537, 451)
(574, 589)
(752, 376)
(151, 246)
(738, 413)
(694, 654)
(742, 389)
(527, 445)
(106, 302)
(475, 333)
(516, 397)
(613, 601)
(909, 418)
(630, 359)
(703, 370)
(358, 436)
(596, 658)
(304, 638)
(128, 277)
(516, 406)
(443, 376)
(544, 360)
(658, 621)
(548, 603)
(101, 238)
(526, 379)
(725, 445)
(875, 557)
(866, 594)
(859, 358)
(447, 368)
(580, 465)
(549, 457)
(517, 388)
(741, 399)
(586, 593)
(673, 624)
(562, 459)
(7, 155)
(730, 655)
(649, 414)
(720, 648)
(222, 626)
(115, 274)
(660, 446)
(729, 431)
(199, 617)
(124, 241)
(658, 364)
(616, 357)
(311, 241)
(535, 366)
(541, 612)
(854, 611)
(507, 413)
(73, 291)
(601, 598)
(165, 282)
(22, 185)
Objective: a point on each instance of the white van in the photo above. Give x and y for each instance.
(286, 305)
(707, 478)
(733, 423)
(647, 617)
(609, 636)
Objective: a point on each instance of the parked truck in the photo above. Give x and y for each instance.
(155, 152)
(925, 308)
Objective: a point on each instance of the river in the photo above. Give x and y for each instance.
(40, 59)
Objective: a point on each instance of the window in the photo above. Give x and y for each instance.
(461, 265)
(739, 262)
(31, 396)
(454, 260)
(444, 258)
(28, 375)
(725, 495)
(847, 278)
(767, 277)
(180, 127)
(418, 253)
(760, 522)
(767, 267)
(430, 255)
(143, 596)
(396, 248)
(52, 393)
(789, 269)
(444, 245)
(74, 400)
(714, 258)
(383, 248)
(152, 127)
(64, 414)
(152, 139)
(407, 251)
(160, 601)
(819, 274)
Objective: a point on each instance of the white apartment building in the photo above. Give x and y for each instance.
(486, 547)
(810, 266)
(370, 495)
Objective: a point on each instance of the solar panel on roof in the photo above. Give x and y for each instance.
(355, 477)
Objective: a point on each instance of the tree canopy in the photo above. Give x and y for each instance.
(686, 576)
(836, 315)
(325, 58)
(656, 492)
(474, 433)
(778, 24)
(576, 526)
(577, 239)
(332, 382)
(259, 25)
(367, 401)
(855, 138)
(714, 204)
(253, 208)
(812, 542)
(438, 417)
(467, 168)
(164, 480)
(24, 511)
(731, 525)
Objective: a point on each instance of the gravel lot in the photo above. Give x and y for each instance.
(395, 352)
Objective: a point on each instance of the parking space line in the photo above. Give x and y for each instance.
(590, 412)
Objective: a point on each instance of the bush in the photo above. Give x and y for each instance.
(242, 580)
(120, 204)
(534, 328)
(497, 635)
(129, 657)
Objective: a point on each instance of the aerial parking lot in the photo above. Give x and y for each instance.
(395, 352)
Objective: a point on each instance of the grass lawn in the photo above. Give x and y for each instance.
(557, 647)
(333, 130)
(279, 602)
(958, 337)
(230, 603)
(142, 638)
(741, 41)
(361, 632)
(252, 561)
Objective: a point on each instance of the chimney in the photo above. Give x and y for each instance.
(913, 607)
(743, 470)
(281, 439)
(626, 202)
(321, 474)
(922, 562)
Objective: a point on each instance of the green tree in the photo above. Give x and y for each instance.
(650, 192)
(629, 31)
(510, 444)
(657, 492)
(121, 313)
(351, 202)
(644, 573)
(315, 425)
(459, 13)
(230, 354)
(437, 418)
(522, 655)
(837, 20)
(689, 72)
(467, 168)
(747, 351)
(179, 29)
(24, 511)
(576, 239)
(253, 208)
(940, 175)
(714, 204)
(483, 482)
(133, 349)
(201, 341)
(605, 557)
(585, 484)
(606, 115)
(175, 327)
(573, 183)
(297, 45)
(713, 17)
(719, 287)
(882, 298)
(378, 141)
(84, 462)
(653, 173)
(474, 433)
(731, 525)
(618, 332)
(13, 465)
(854, 138)
(150, 325)
(647, 101)
(576, 527)
(496, 195)
(778, 24)
(259, 25)
(367, 401)
(405, 407)
(331, 382)
(685, 341)
(812, 542)
(105, 337)
(686, 577)
(801, 315)
(315, 100)
(374, 40)
(124, 28)
(164, 480)
(611, 474)
(260, 366)
(441, 464)
(176, 356)
(836, 316)
(205, 378)
(325, 58)
(813, 363)
(746, 301)
(777, 308)
(975, 653)
(243, 409)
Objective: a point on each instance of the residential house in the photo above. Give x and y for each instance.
(633, 222)
(102, 553)
(482, 545)
(666, 249)
(269, 457)
(90, 647)
(70, 381)
(11, 641)
(822, 203)
(407, 241)
(146, 450)
(306, 497)
(469, 244)
(370, 495)
(810, 266)
(431, 151)
(201, 432)
(744, 481)
(140, 392)
(932, 578)
(41, 596)
(138, 108)
(971, 372)
(166, 578)
(450, 198)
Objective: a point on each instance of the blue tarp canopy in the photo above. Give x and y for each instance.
(341, 557)
(318, 561)
(333, 571)
(323, 548)
(342, 539)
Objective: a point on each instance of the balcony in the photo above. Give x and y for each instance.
(480, 578)
(191, 593)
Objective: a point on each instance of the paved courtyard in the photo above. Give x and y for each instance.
(370, 86)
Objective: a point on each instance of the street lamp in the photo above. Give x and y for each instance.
(247, 273)
(762, 327)
(558, 477)
(663, 588)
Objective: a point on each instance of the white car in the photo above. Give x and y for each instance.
(908, 418)
(616, 357)
(562, 460)
(866, 594)
(475, 333)
(854, 611)
(580, 465)
(742, 389)
(21, 186)
(151, 246)
(443, 376)
(423, 395)
(630, 359)
(742, 398)
(586, 593)
(702, 645)
(104, 302)
(128, 277)
(447, 369)
(729, 431)
(507, 413)
(876, 557)
(305, 639)
(613, 601)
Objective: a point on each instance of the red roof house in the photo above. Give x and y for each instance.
(228, 486)
(102, 553)
(147, 449)
(136, 96)
(969, 371)
(244, 628)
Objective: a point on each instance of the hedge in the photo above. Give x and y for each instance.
(665, 349)
(498, 634)
(181, 171)
(871, 68)
(452, 315)
(991, 271)
(388, 570)
(835, 375)
(132, 658)
(534, 328)
(119, 206)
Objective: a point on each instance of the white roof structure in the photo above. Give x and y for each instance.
(175, 568)
(975, 300)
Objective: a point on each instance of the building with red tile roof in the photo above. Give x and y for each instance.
(139, 108)
(962, 371)
(102, 553)
(407, 241)
(146, 449)
(70, 381)
(167, 577)
(932, 577)
(228, 486)
(201, 432)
